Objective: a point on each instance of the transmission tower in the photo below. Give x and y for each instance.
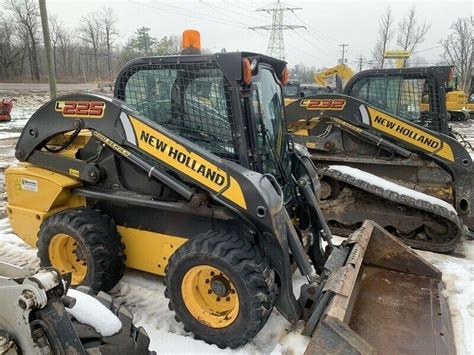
(276, 45)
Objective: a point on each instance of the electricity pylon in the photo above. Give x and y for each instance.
(276, 44)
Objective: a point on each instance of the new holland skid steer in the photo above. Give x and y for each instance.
(189, 173)
(380, 127)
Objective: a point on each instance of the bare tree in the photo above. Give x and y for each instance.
(385, 36)
(55, 28)
(26, 13)
(66, 50)
(458, 50)
(108, 22)
(63, 48)
(410, 33)
(91, 30)
(11, 52)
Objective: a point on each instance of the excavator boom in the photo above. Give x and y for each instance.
(340, 70)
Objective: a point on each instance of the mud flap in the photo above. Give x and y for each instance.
(384, 299)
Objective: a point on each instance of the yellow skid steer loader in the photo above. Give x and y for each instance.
(189, 173)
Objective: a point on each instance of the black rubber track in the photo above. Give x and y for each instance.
(98, 239)
(248, 270)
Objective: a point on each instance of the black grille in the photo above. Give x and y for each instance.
(192, 100)
(411, 97)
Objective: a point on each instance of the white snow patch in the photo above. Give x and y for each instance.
(91, 311)
(388, 185)
(458, 277)
(8, 135)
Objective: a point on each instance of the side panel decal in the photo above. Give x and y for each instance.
(410, 134)
(189, 163)
(83, 109)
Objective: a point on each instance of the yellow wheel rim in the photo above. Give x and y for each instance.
(66, 256)
(210, 296)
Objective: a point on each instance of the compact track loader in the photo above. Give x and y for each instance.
(189, 173)
(381, 127)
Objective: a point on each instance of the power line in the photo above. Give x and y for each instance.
(221, 10)
(309, 42)
(245, 12)
(428, 49)
(276, 45)
(295, 48)
(316, 34)
(193, 14)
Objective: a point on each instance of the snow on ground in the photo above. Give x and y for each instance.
(458, 277)
(91, 311)
(23, 108)
(466, 129)
(142, 293)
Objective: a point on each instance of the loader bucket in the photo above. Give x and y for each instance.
(385, 299)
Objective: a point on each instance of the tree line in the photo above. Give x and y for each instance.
(407, 35)
(88, 52)
(92, 51)
(411, 32)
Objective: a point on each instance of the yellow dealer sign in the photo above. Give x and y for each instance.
(396, 54)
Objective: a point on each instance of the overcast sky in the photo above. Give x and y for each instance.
(224, 24)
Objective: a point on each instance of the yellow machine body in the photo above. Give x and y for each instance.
(456, 100)
(35, 193)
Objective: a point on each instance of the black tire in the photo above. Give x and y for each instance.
(98, 239)
(249, 272)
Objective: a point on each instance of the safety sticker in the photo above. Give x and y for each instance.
(29, 185)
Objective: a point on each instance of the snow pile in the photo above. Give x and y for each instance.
(388, 185)
(91, 311)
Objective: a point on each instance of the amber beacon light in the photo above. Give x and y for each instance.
(191, 42)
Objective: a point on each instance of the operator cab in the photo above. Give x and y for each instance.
(416, 94)
(228, 103)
